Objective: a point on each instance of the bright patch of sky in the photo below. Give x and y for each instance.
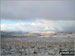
(14, 22)
(3, 21)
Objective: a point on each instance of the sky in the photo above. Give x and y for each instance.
(37, 16)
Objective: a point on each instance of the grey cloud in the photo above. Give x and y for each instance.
(28, 10)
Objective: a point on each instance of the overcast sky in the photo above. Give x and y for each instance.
(40, 16)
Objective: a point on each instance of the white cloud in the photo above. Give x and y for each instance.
(11, 27)
(40, 26)
(3, 27)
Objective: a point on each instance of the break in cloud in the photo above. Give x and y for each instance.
(41, 26)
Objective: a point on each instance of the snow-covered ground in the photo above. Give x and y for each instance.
(52, 50)
(50, 46)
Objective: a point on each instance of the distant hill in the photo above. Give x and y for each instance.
(6, 34)
(38, 37)
(44, 34)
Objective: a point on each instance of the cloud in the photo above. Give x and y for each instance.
(28, 10)
(44, 16)
(3, 27)
(41, 26)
